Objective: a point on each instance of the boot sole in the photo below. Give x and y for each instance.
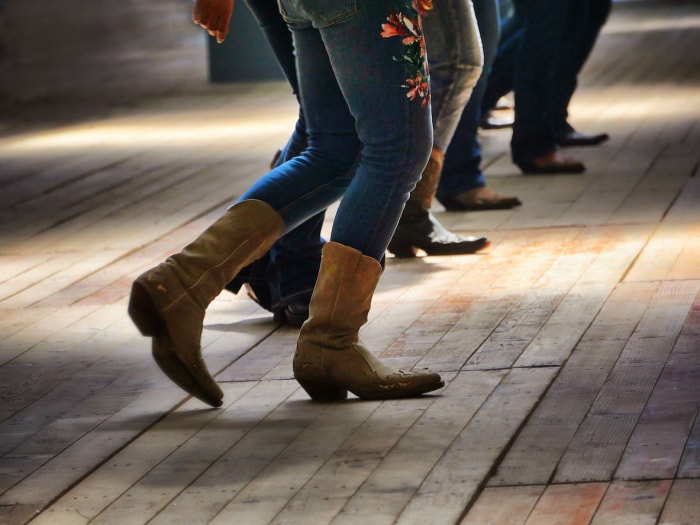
(407, 250)
(324, 391)
(399, 394)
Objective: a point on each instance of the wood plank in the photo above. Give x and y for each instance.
(389, 488)
(536, 452)
(567, 504)
(131, 487)
(596, 448)
(594, 280)
(467, 462)
(671, 252)
(682, 503)
(656, 445)
(690, 462)
(638, 502)
(266, 456)
(598, 445)
(614, 251)
(503, 505)
(512, 269)
(38, 489)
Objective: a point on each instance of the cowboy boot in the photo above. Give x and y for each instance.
(168, 301)
(418, 228)
(330, 359)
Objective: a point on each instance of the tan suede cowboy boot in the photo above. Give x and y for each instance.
(330, 359)
(168, 301)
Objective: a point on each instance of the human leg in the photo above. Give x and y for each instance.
(585, 20)
(283, 279)
(168, 301)
(365, 49)
(462, 176)
(500, 76)
(456, 59)
(533, 144)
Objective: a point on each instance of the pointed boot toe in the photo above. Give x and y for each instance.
(183, 366)
(193, 377)
(168, 302)
(330, 360)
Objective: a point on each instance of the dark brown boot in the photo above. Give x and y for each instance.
(168, 301)
(330, 359)
(419, 229)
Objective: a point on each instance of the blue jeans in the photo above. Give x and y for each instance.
(289, 270)
(544, 22)
(558, 36)
(456, 60)
(585, 18)
(461, 170)
(500, 81)
(359, 92)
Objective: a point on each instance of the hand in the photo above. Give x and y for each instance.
(214, 16)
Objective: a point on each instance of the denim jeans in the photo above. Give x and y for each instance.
(500, 81)
(557, 38)
(289, 270)
(544, 23)
(456, 60)
(461, 170)
(585, 18)
(363, 87)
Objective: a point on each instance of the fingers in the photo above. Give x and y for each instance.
(213, 16)
(215, 26)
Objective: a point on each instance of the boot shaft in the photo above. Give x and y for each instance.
(421, 198)
(330, 360)
(242, 235)
(342, 296)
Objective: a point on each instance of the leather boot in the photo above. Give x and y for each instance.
(419, 229)
(168, 301)
(330, 359)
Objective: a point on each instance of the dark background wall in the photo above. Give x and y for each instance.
(97, 51)
(83, 57)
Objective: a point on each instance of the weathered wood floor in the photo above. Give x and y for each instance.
(571, 346)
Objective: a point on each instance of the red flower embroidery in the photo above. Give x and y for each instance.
(410, 30)
(399, 25)
(418, 88)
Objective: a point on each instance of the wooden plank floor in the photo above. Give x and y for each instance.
(571, 347)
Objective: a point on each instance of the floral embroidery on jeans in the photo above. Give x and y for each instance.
(410, 30)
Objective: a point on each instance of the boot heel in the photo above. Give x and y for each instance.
(143, 311)
(322, 391)
(400, 249)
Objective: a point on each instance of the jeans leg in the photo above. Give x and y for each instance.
(462, 168)
(500, 78)
(383, 75)
(585, 20)
(357, 90)
(313, 180)
(288, 271)
(266, 12)
(544, 23)
(456, 59)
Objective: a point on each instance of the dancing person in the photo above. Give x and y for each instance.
(364, 86)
